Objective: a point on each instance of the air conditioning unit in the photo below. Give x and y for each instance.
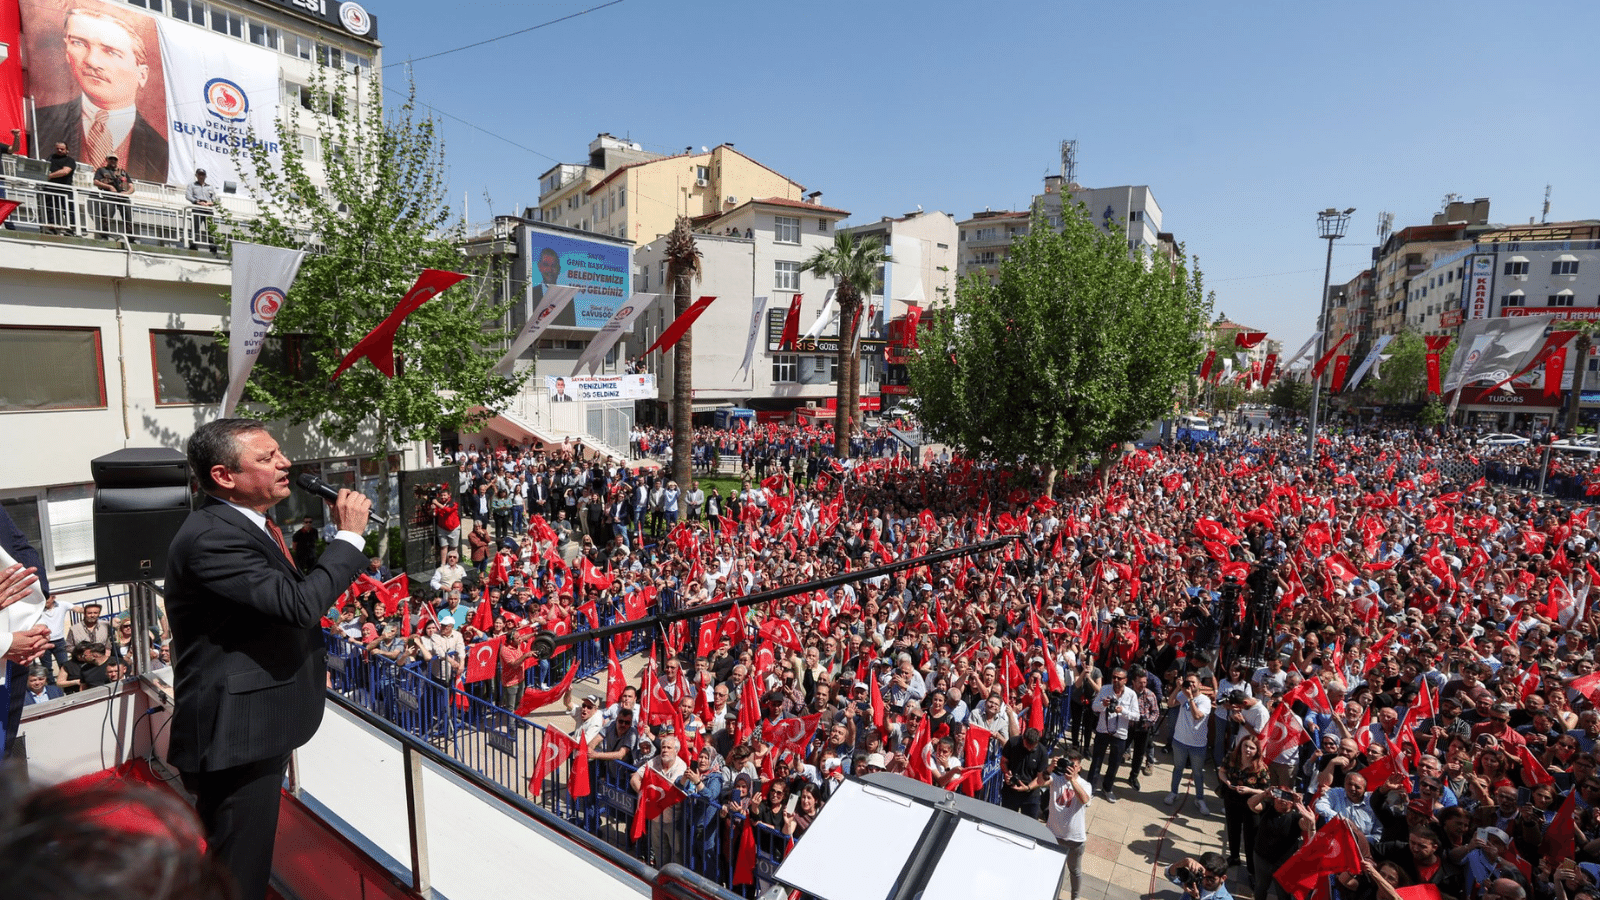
(732, 200)
(702, 182)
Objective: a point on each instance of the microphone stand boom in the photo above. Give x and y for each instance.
(545, 644)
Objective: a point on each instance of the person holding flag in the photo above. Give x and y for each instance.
(656, 784)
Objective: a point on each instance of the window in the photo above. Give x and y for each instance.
(50, 368)
(330, 56)
(1517, 268)
(1561, 299)
(25, 512)
(264, 35)
(786, 229)
(622, 198)
(152, 5)
(1511, 300)
(786, 276)
(830, 364)
(701, 173)
(224, 22)
(986, 258)
(70, 513)
(296, 45)
(189, 11)
(1564, 267)
(984, 234)
(308, 145)
(783, 369)
(189, 367)
(1136, 216)
(822, 224)
(356, 62)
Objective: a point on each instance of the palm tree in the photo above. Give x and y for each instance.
(853, 265)
(1580, 365)
(683, 267)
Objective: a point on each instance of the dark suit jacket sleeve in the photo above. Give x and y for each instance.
(229, 561)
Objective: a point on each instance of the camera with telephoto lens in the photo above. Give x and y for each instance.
(1185, 877)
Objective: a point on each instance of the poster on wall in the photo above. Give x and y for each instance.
(598, 269)
(165, 97)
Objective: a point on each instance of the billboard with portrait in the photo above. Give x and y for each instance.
(600, 387)
(598, 269)
(165, 97)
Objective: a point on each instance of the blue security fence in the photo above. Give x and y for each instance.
(699, 834)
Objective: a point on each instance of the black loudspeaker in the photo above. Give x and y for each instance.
(141, 499)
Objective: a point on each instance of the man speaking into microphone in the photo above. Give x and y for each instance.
(248, 653)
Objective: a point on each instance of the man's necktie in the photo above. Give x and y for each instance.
(97, 143)
(277, 535)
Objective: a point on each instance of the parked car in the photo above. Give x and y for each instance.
(1500, 439)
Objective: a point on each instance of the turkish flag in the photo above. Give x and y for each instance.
(1247, 339)
(917, 753)
(552, 753)
(1205, 367)
(1268, 369)
(1285, 732)
(679, 326)
(710, 631)
(393, 591)
(532, 700)
(578, 782)
(1560, 838)
(791, 327)
(744, 862)
(1554, 365)
(656, 706)
(615, 680)
(482, 659)
(1588, 686)
(876, 698)
(1533, 772)
(1340, 567)
(749, 710)
(1341, 365)
(975, 754)
(405, 619)
(378, 345)
(1431, 362)
(656, 796)
(1334, 849)
(1316, 371)
(1310, 693)
(782, 633)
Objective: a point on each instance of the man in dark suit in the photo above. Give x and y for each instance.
(39, 689)
(248, 656)
(108, 62)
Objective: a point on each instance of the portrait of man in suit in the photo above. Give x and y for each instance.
(248, 659)
(558, 394)
(110, 66)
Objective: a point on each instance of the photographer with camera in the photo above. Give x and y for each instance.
(1285, 822)
(1203, 878)
(1068, 817)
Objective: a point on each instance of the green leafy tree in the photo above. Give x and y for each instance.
(683, 268)
(1077, 346)
(373, 221)
(1291, 394)
(1404, 375)
(854, 266)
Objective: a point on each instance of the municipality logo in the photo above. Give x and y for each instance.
(226, 100)
(355, 18)
(265, 305)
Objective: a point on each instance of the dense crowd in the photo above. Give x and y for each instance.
(1365, 647)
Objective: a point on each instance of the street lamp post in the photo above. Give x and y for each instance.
(1331, 224)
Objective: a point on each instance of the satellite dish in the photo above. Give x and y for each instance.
(704, 149)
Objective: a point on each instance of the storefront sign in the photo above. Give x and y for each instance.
(1481, 286)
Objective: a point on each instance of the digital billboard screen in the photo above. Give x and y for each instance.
(598, 269)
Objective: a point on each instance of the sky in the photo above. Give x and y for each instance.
(1245, 119)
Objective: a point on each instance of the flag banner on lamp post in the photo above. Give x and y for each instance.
(556, 297)
(261, 280)
(1248, 339)
(1316, 371)
(378, 345)
(1268, 369)
(1312, 342)
(612, 331)
(758, 309)
(1341, 365)
(1205, 367)
(679, 327)
(1554, 365)
(1371, 360)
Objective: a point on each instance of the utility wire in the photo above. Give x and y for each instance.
(506, 35)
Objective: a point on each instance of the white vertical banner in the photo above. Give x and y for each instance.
(758, 309)
(556, 297)
(612, 331)
(829, 313)
(1371, 362)
(261, 280)
(1312, 342)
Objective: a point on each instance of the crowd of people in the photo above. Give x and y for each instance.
(1364, 638)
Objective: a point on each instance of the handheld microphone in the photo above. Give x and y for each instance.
(314, 485)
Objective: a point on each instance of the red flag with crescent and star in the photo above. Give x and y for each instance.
(482, 659)
(656, 796)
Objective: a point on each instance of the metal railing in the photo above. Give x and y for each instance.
(81, 210)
